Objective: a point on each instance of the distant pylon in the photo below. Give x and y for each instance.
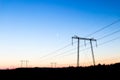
(53, 64)
(21, 63)
(24, 63)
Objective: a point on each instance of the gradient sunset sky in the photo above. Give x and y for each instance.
(35, 30)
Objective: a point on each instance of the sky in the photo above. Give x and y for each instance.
(39, 30)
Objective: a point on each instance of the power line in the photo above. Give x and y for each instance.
(109, 34)
(109, 41)
(98, 44)
(105, 37)
(60, 54)
(89, 39)
(67, 51)
(87, 43)
(56, 51)
(109, 25)
(75, 48)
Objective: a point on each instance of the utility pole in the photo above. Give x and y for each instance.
(92, 50)
(53, 65)
(90, 39)
(24, 63)
(76, 37)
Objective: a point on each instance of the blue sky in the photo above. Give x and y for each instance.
(30, 29)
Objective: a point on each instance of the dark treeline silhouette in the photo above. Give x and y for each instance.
(98, 72)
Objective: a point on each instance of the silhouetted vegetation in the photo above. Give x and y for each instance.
(98, 72)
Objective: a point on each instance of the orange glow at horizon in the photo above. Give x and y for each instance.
(59, 65)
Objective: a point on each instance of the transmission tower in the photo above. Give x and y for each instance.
(76, 37)
(24, 63)
(89, 39)
(53, 64)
